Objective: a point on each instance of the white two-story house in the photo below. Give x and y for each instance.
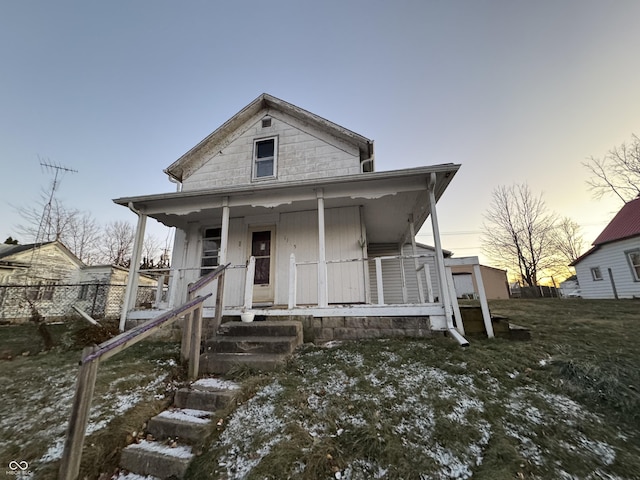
(293, 203)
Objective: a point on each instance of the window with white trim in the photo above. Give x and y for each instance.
(210, 249)
(265, 157)
(596, 274)
(633, 257)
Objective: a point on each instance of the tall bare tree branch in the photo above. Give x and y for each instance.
(618, 172)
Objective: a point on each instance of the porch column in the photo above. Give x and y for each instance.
(322, 257)
(442, 276)
(416, 262)
(224, 235)
(130, 293)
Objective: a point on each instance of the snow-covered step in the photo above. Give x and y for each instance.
(188, 425)
(156, 459)
(207, 394)
(134, 476)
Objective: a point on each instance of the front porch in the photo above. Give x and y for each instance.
(325, 248)
(423, 311)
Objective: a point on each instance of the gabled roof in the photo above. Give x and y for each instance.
(268, 103)
(625, 224)
(7, 251)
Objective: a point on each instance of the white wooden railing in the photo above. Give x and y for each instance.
(420, 271)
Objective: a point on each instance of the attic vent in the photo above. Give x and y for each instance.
(266, 122)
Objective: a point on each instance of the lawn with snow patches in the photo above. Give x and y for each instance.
(36, 401)
(411, 409)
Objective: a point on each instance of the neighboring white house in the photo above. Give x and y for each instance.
(611, 269)
(50, 278)
(293, 200)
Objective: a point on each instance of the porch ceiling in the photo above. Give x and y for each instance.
(388, 200)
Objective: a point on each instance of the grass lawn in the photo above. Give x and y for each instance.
(38, 388)
(564, 405)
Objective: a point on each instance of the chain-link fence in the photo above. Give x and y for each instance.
(20, 303)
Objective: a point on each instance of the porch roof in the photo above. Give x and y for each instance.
(388, 199)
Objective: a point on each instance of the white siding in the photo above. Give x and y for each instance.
(343, 234)
(611, 256)
(392, 274)
(298, 234)
(303, 152)
(411, 277)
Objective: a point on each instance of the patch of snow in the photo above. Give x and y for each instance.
(332, 344)
(462, 407)
(253, 419)
(181, 451)
(527, 448)
(600, 450)
(452, 465)
(187, 415)
(133, 476)
(514, 374)
(216, 383)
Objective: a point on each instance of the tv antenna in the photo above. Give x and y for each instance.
(44, 229)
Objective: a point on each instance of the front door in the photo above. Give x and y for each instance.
(262, 248)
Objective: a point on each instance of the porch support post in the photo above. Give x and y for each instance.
(132, 282)
(379, 282)
(222, 260)
(293, 281)
(322, 256)
(416, 263)
(486, 315)
(224, 234)
(445, 299)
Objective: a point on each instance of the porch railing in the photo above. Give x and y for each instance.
(419, 272)
(92, 356)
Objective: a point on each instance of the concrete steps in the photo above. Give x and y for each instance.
(171, 435)
(263, 345)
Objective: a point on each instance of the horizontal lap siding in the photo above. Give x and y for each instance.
(609, 256)
(391, 274)
(410, 273)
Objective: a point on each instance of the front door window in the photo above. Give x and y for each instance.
(261, 250)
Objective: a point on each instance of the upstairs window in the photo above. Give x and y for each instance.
(596, 274)
(210, 250)
(265, 156)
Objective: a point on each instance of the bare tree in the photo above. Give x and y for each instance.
(117, 243)
(618, 172)
(51, 220)
(567, 240)
(82, 236)
(150, 250)
(518, 232)
(46, 221)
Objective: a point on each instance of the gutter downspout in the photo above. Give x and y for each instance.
(444, 289)
(132, 281)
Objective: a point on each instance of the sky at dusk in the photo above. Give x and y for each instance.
(514, 91)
